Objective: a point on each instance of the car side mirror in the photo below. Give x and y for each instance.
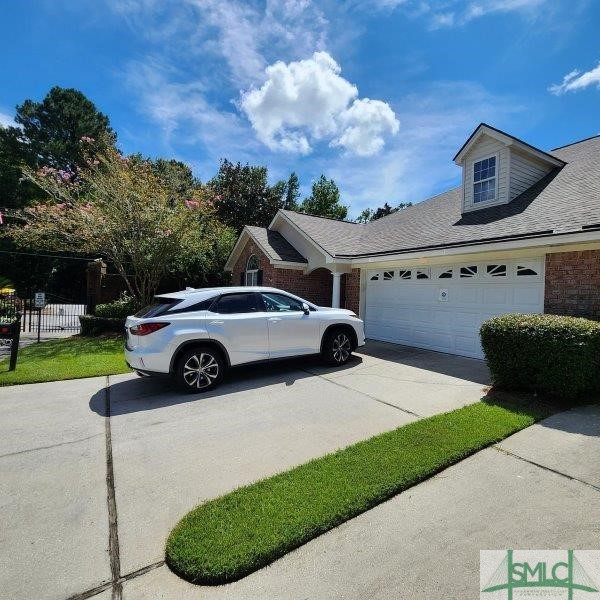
(306, 308)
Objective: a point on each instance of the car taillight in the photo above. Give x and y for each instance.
(146, 328)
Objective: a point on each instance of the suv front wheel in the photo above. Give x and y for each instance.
(337, 347)
(199, 369)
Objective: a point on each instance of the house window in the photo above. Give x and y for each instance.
(375, 277)
(468, 271)
(496, 270)
(404, 274)
(447, 274)
(422, 273)
(525, 271)
(387, 275)
(484, 180)
(252, 270)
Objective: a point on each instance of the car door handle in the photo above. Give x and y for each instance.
(274, 319)
(217, 322)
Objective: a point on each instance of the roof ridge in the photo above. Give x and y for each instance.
(297, 212)
(510, 135)
(587, 139)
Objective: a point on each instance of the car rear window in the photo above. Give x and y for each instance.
(203, 305)
(158, 307)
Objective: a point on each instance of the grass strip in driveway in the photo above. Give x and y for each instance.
(67, 358)
(232, 536)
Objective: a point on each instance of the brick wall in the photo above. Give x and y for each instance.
(315, 287)
(351, 287)
(573, 284)
(263, 262)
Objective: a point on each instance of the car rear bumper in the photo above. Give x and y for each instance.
(154, 362)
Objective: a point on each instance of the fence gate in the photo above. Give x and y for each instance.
(59, 314)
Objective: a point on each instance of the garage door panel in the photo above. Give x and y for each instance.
(429, 338)
(466, 345)
(528, 296)
(466, 319)
(422, 315)
(412, 312)
(468, 294)
(497, 294)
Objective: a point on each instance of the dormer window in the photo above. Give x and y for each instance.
(484, 180)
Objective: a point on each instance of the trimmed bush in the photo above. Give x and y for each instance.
(543, 353)
(92, 325)
(119, 309)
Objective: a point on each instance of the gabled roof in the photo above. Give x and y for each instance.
(506, 138)
(331, 235)
(274, 245)
(566, 200)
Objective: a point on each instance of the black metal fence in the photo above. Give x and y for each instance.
(58, 314)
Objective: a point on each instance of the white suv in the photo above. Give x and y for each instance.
(194, 335)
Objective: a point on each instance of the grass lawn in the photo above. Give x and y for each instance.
(232, 536)
(68, 358)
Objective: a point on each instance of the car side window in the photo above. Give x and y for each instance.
(281, 303)
(236, 304)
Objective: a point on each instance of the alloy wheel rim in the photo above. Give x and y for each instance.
(341, 348)
(200, 370)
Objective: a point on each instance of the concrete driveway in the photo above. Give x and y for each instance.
(96, 472)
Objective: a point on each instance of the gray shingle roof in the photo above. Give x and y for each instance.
(566, 200)
(275, 245)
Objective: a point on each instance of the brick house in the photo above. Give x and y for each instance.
(520, 234)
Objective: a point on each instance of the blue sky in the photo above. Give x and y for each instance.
(376, 94)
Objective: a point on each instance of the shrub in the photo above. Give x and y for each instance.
(8, 312)
(543, 353)
(119, 309)
(92, 325)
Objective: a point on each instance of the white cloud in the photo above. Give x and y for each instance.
(308, 100)
(576, 80)
(245, 35)
(6, 120)
(450, 13)
(364, 126)
(186, 117)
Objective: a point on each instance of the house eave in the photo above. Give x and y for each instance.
(539, 239)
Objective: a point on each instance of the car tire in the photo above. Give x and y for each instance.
(199, 369)
(337, 347)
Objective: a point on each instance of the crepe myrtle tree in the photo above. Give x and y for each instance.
(120, 209)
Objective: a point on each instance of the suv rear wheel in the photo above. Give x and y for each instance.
(199, 369)
(337, 347)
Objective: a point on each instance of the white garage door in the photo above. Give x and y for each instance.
(442, 308)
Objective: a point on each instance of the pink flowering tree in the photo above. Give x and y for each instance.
(119, 209)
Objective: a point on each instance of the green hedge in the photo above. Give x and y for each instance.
(119, 309)
(543, 353)
(92, 325)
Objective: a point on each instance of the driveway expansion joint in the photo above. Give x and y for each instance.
(545, 468)
(113, 531)
(404, 410)
(105, 586)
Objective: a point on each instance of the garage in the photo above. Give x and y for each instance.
(442, 307)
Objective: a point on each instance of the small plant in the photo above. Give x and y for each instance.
(543, 353)
(118, 309)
